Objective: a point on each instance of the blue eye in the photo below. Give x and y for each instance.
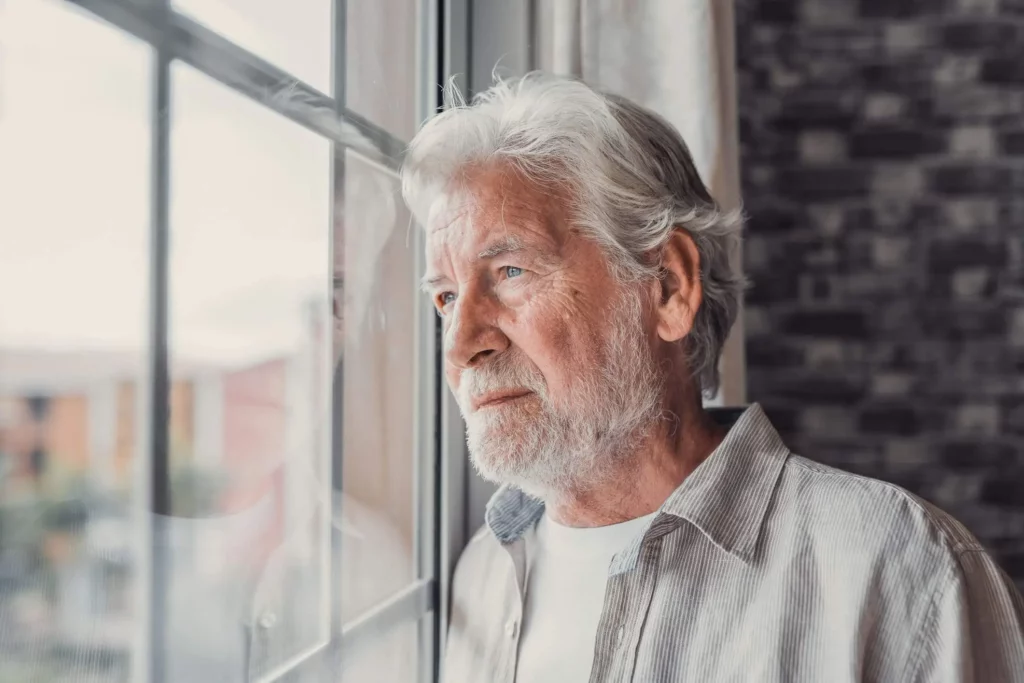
(446, 298)
(512, 271)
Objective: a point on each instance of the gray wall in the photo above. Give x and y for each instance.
(882, 146)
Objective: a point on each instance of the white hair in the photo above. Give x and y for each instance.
(560, 449)
(629, 174)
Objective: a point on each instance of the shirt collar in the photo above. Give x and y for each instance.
(726, 497)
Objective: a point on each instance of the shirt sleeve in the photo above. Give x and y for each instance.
(973, 629)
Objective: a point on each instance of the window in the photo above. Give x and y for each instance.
(218, 385)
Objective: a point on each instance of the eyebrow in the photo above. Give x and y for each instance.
(506, 245)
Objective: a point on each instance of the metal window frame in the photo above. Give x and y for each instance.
(174, 36)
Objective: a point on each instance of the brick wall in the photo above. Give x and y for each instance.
(883, 171)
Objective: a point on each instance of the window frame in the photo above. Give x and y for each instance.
(174, 36)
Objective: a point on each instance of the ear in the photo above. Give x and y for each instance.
(679, 287)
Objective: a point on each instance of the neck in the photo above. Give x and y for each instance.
(668, 454)
(242, 495)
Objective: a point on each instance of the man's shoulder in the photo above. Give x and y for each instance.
(865, 513)
(478, 558)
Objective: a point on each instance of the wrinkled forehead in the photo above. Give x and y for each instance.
(488, 204)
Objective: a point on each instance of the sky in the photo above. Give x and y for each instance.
(250, 191)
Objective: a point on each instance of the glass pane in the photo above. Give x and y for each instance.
(293, 36)
(74, 225)
(248, 537)
(373, 250)
(390, 656)
(381, 65)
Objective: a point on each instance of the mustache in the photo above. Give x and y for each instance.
(504, 372)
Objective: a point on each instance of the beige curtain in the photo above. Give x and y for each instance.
(675, 57)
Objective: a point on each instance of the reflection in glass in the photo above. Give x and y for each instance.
(375, 342)
(379, 338)
(380, 64)
(74, 222)
(248, 533)
(293, 36)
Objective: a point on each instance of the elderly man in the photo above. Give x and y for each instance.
(583, 276)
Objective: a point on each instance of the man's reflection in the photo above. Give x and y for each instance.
(247, 594)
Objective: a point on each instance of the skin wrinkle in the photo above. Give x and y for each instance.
(609, 430)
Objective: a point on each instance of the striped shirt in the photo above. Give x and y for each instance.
(761, 566)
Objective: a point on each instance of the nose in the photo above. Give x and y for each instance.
(472, 335)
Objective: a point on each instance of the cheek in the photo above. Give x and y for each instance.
(561, 346)
(453, 377)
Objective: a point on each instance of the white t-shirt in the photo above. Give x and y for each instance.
(568, 571)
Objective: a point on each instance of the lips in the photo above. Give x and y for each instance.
(497, 398)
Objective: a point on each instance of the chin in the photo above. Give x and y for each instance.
(498, 451)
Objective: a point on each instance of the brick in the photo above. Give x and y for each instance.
(826, 219)
(1016, 327)
(971, 179)
(955, 70)
(978, 7)
(976, 103)
(836, 421)
(1003, 70)
(822, 147)
(952, 489)
(817, 184)
(783, 418)
(978, 419)
(895, 143)
(775, 287)
(972, 141)
(963, 323)
(821, 389)
(888, 150)
(1005, 490)
(756, 320)
(892, 214)
(969, 215)
(972, 453)
(827, 12)
(891, 384)
(906, 455)
(828, 40)
(890, 252)
(884, 107)
(1013, 416)
(1013, 564)
(898, 75)
(771, 11)
(772, 218)
(972, 283)
(773, 351)
(837, 324)
(902, 37)
(892, 9)
(1012, 142)
(903, 181)
(948, 255)
(977, 34)
(897, 420)
(820, 110)
(827, 354)
(816, 288)
(895, 314)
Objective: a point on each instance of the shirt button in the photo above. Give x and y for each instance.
(511, 627)
(620, 635)
(267, 620)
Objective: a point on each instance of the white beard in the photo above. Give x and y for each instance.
(548, 450)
